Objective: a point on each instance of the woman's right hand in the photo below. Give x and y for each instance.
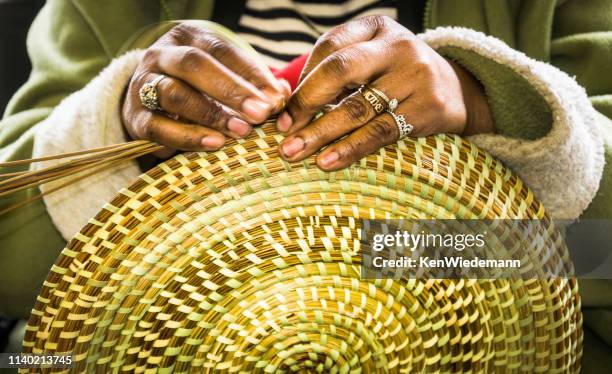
(211, 89)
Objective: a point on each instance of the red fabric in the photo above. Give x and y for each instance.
(291, 72)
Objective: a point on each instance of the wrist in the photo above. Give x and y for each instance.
(479, 119)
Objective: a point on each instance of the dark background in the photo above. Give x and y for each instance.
(15, 19)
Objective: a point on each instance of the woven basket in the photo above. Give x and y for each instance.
(237, 261)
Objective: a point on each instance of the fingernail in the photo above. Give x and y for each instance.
(212, 142)
(238, 126)
(284, 122)
(277, 98)
(293, 146)
(256, 109)
(329, 158)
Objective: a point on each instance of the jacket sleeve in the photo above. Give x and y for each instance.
(65, 55)
(547, 129)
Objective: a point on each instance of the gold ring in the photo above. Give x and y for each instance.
(149, 96)
(380, 94)
(372, 98)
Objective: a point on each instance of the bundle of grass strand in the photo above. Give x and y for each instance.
(237, 261)
(77, 166)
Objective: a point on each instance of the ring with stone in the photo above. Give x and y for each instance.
(391, 103)
(149, 96)
(404, 127)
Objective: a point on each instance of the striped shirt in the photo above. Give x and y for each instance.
(281, 30)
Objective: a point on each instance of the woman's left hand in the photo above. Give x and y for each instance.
(434, 94)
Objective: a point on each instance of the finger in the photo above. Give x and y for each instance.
(244, 65)
(346, 69)
(164, 153)
(204, 73)
(351, 113)
(379, 132)
(423, 113)
(177, 135)
(181, 99)
(353, 32)
(238, 60)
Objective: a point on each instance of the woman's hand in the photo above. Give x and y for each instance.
(211, 89)
(434, 94)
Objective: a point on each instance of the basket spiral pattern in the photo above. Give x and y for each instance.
(237, 261)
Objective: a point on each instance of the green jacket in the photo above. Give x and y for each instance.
(71, 41)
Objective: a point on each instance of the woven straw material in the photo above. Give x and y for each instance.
(238, 261)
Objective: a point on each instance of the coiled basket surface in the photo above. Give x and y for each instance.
(237, 261)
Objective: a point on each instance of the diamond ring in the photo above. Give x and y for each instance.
(374, 97)
(149, 96)
(404, 127)
(391, 103)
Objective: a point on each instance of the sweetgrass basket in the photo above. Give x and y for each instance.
(237, 261)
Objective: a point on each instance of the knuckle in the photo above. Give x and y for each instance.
(230, 91)
(213, 114)
(190, 59)
(138, 80)
(338, 64)
(423, 66)
(314, 135)
(437, 102)
(385, 20)
(376, 21)
(182, 33)
(174, 96)
(356, 108)
(151, 55)
(327, 43)
(382, 130)
(216, 46)
(404, 44)
(189, 140)
(298, 102)
(255, 75)
(352, 150)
